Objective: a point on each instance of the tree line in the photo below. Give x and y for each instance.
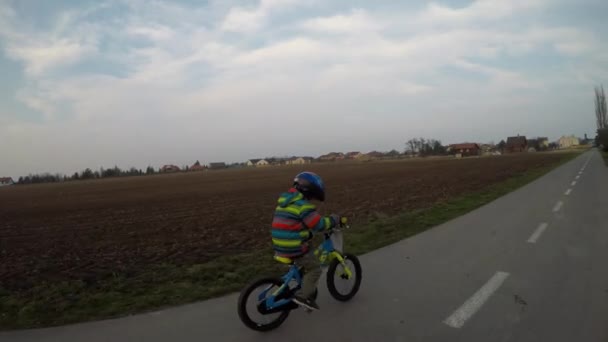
(425, 147)
(85, 174)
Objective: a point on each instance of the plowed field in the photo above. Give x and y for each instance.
(91, 229)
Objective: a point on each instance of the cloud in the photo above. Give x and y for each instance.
(41, 55)
(176, 82)
(158, 33)
(244, 20)
(477, 11)
(357, 21)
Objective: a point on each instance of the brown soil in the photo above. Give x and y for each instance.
(90, 229)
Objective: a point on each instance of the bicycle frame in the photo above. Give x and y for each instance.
(326, 252)
(272, 302)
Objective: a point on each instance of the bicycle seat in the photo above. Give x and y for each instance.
(283, 260)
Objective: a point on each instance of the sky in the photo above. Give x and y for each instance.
(137, 83)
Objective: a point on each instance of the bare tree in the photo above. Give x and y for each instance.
(600, 108)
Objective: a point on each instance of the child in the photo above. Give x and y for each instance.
(295, 220)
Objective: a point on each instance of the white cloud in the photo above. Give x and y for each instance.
(43, 55)
(188, 90)
(248, 20)
(243, 20)
(157, 33)
(358, 21)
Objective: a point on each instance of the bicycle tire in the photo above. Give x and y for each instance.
(242, 306)
(331, 286)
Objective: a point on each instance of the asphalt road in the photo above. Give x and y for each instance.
(530, 266)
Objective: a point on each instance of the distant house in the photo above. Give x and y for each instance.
(262, 163)
(354, 155)
(217, 166)
(170, 168)
(375, 155)
(300, 160)
(488, 149)
(465, 149)
(543, 143)
(533, 145)
(277, 161)
(516, 144)
(332, 156)
(252, 162)
(5, 181)
(568, 141)
(197, 167)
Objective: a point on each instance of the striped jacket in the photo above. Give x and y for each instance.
(294, 219)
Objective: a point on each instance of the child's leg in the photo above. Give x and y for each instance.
(312, 273)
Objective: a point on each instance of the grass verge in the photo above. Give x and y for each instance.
(168, 284)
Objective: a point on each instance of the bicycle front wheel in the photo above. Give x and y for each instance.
(248, 306)
(341, 286)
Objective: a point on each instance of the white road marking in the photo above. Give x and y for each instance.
(573, 183)
(577, 177)
(558, 206)
(538, 232)
(568, 192)
(473, 304)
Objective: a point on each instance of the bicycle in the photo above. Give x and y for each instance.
(275, 305)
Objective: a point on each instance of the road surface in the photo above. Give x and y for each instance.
(530, 266)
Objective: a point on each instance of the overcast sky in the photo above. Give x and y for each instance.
(133, 82)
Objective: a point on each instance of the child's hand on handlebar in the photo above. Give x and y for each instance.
(336, 220)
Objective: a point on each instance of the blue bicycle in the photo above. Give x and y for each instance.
(271, 298)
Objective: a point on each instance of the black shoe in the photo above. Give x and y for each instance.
(308, 303)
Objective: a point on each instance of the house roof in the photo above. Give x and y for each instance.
(217, 164)
(254, 161)
(519, 140)
(5, 179)
(170, 166)
(375, 154)
(464, 146)
(353, 153)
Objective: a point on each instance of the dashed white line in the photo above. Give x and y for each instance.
(577, 177)
(473, 304)
(541, 228)
(558, 206)
(568, 192)
(573, 183)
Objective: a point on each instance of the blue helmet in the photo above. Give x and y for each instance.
(310, 185)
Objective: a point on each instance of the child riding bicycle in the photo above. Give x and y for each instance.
(295, 221)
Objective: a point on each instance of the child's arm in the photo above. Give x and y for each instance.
(317, 223)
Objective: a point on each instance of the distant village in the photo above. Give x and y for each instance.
(514, 144)
(422, 148)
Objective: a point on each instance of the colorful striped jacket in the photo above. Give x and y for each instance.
(294, 219)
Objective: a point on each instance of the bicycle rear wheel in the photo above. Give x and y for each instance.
(340, 285)
(248, 302)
